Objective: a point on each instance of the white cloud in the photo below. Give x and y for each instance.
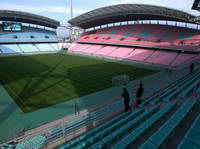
(36, 9)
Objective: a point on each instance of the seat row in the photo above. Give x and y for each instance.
(28, 48)
(55, 133)
(169, 127)
(33, 143)
(128, 141)
(191, 139)
(128, 123)
(95, 134)
(182, 87)
(151, 56)
(67, 128)
(124, 129)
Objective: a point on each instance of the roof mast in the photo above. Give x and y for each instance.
(71, 12)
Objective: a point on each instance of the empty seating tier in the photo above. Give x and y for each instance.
(121, 52)
(44, 47)
(166, 130)
(137, 133)
(92, 49)
(105, 51)
(103, 136)
(181, 88)
(28, 35)
(33, 143)
(54, 46)
(100, 132)
(10, 49)
(155, 57)
(157, 36)
(140, 54)
(28, 48)
(191, 139)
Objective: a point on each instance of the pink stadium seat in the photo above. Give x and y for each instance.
(167, 58)
(105, 50)
(140, 54)
(92, 49)
(121, 52)
(75, 47)
(162, 57)
(82, 47)
(182, 58)
(148, 35)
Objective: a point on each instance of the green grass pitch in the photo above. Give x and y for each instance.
(40, 81)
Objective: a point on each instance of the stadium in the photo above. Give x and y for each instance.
(61, 85)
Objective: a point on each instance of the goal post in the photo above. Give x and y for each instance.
(120, 80)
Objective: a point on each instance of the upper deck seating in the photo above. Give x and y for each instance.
(160, 36)
(28, 34)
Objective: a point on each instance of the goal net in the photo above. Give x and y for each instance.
(120, 80)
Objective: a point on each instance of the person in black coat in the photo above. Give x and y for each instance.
(126, 97)
(191, 68)
(139, 94)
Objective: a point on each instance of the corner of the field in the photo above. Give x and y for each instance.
(6, 100)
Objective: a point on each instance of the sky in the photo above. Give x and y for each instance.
(60, 9)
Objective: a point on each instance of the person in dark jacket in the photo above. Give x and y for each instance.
(126, 97)
(139, 94)
(191, 68)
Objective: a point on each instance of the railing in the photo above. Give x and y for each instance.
(64, 129)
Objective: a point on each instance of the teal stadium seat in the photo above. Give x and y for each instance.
(186, 144)
(180, 87)
(33, 143)
(191, 139)
(159, 137)
(198, 90)
(125, 129)
(139, 131)
(100, 132)
(189, 88)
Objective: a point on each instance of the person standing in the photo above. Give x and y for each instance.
(139, 94)
(126, 97)
(191, 68)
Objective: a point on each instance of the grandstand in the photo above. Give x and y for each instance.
(37, 34)
(64, 98)
(143, 35)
